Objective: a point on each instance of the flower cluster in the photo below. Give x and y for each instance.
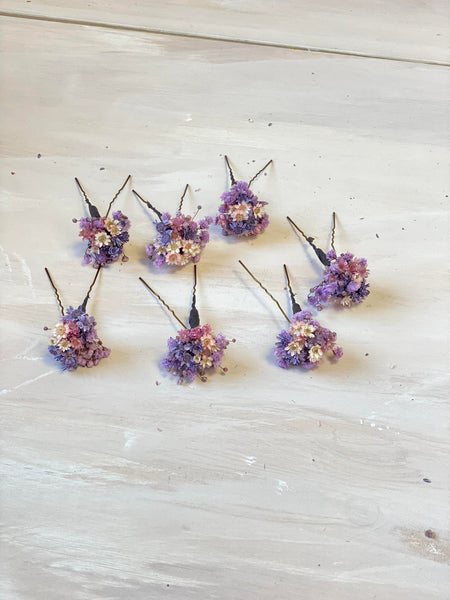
(344, 281)
(305, 343)
(75, 342)
(241, 213)
(106, 237)
(193, 351)
(180, 240)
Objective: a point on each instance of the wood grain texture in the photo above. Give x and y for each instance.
(406, 29)
(262, 483)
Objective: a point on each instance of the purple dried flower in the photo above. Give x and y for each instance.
(180, 240)
(305, 343)
(241, 214)
(344, 281)
(194, 351)
(106, 238)
(75, 342)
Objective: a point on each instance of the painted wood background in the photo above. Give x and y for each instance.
(263, 483)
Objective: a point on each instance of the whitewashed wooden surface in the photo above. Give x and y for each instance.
(404, 29)
(262, 483)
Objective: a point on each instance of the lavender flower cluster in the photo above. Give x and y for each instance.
(75, 343)
(194, 351)
(344, 281)
(106, 238)
(305, 343)
(241, 214)
(180, 240)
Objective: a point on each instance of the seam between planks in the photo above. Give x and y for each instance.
(219, 38)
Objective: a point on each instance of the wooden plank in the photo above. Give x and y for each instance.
(263, 483)
(408, 30)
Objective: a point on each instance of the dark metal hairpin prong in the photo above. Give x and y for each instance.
(93, 210)
(117, 193)
(233, 180)
(259, 173)
(295, 305)
(85, 301)
(151, 207)
(321, 255)
(266, 290)
(55, 290)
(194, 317)
(163, 303)
(182, 197)
(333, 231)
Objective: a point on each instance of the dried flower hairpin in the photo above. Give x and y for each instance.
(306, 342)
(344, 277)
(75, 342)
(106, 235)
(241, 213)
(196, 348)
(180, 239)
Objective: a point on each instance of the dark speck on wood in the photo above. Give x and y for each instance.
(427, 480)
(429, 533)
